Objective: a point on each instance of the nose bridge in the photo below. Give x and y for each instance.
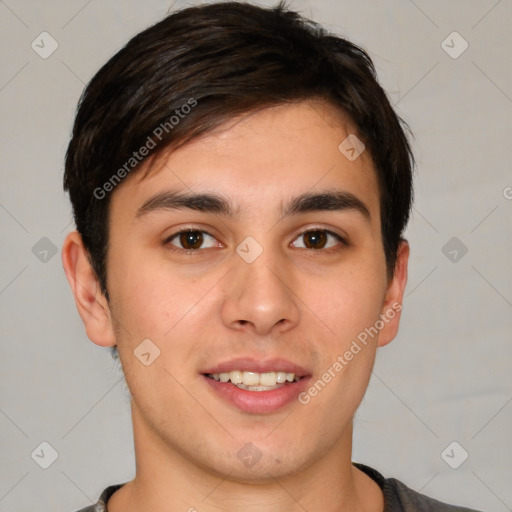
(261, 290)
(263, 277)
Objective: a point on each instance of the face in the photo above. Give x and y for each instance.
(251, 280)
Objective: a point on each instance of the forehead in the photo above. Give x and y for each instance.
(263, 158)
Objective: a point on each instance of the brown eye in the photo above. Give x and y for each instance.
(319, 239)
(315, 239)
(190, 240)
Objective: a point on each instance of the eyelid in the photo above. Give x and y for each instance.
(322, 228)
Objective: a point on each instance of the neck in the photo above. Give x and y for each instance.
(167, 479)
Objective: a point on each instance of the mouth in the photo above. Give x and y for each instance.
(253, 381)
(255, 386)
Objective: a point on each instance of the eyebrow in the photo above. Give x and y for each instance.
(328, 200)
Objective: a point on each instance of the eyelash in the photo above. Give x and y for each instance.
(167, 241)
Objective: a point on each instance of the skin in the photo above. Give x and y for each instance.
(304, 305)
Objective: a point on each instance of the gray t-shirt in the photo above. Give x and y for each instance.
(397, 496)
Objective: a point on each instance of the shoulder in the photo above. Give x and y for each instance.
(404, 498)
(400, 498)
(101, 504)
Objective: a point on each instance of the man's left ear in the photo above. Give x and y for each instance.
(391, 310)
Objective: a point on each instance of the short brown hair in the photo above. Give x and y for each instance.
(205, 65)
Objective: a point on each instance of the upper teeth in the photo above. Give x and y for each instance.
(255, 379)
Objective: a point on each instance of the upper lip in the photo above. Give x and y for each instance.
(251, 364)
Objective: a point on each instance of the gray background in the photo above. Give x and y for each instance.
(445, 378)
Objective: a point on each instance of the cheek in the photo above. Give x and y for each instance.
(150, 303)
(350, 307)
(150, 299)
(352, 314)
(350, 301)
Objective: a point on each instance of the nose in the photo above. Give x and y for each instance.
(260, 295)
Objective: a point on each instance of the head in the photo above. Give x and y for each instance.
(250, 105)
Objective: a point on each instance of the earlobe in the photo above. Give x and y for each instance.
(91, 303)
(391, 310)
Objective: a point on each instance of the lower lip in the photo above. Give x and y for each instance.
(258, 402)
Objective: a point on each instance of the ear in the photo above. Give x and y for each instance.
(90, 301)
(392, 307)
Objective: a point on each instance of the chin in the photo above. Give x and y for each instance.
(260, 462)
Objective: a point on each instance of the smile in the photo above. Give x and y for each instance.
(253, 381)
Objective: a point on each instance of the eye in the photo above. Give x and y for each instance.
(191, 239)
(318, 239)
